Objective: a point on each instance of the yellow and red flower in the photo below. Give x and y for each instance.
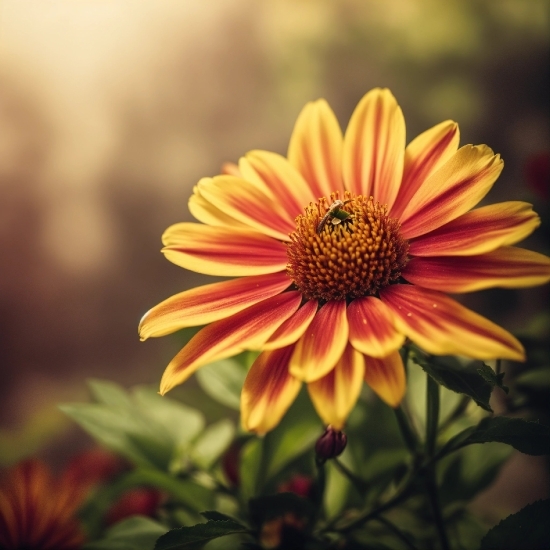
(340, 252)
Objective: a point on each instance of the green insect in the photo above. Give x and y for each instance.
(335, 215)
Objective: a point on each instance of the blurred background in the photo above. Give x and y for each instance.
(110, 112)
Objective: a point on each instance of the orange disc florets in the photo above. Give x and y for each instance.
(345, 248)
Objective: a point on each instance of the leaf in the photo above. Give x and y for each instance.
(249, 467)
(223, 381)
(135, 533)
(180, 422)
(525, 530)
(527, 437)
(470, 379)
(535, 379)
(109, 393)
(122, 432)
(217, 516)
(212, 443)
(198, 535)
(295, 434)
(490, 376)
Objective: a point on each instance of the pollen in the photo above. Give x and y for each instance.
(346, 252)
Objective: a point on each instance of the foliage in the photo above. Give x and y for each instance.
(404, 481)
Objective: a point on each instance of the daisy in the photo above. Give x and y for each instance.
(340, 252)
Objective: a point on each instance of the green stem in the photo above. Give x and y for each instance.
(432, 421)
(359, 484)
(395, 530)
(433, 497)
(409, 436)
(432, 414)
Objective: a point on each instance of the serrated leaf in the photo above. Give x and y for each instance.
(180, 422)
(527, 437)
(135, 533)
(218, 516)
(223, 381)
(212, 443)
(465, 379)
(185, 538)
(524, 530)
(489, 375)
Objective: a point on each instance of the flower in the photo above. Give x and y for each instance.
(37, 512)
(340, 252)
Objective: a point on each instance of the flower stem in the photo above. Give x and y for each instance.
(360, 484)
(409, 436)
(395, 530)
(432, 421)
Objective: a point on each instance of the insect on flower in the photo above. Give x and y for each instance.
(335, 214)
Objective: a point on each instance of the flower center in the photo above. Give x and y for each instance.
(345, 248)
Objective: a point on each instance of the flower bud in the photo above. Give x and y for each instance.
(331, 444)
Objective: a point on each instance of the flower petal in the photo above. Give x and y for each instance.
(423, 156)
(374, 147)
(274, 173)
(479, 231)
(207, 213)
(335, 394)
(323, 343)
(371, 329)
(442, 326)
(248, 329)
(224, 251)
(268, 391)
(315, 148)
(209, 303)
(293, 327)
(245, 202)
(386, 377)
(507, 267)
(451, 191)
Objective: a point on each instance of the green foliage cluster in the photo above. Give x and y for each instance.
(404, 481)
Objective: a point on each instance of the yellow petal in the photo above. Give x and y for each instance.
(374, 147)
(248, 329)
(322, 344)
(315, 148)
(479, 231)
(452, 190)
(268, 391)
(386, 377)
(423, 156)
(442, 326)
(243, 201)
(208, 303)
(371, 327)
(506, 267)
(223, 251)
(335, 394)
(294, 327)
(284, 182)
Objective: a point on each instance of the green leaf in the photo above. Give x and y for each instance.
(535, 379)
(223, 381)
(525, 530)
(180, 422)
(470, 379)
(490, 376)
(135, 533)
(527, 437)
(295, 434)
(217, 516)
(121, 431)
(249, 467)
(212, 443)
(198, 535)
(109, 393)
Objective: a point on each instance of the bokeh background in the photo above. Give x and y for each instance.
(111, 110)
